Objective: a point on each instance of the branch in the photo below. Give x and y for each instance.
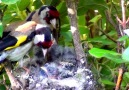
(72, 13)
(15, 84)
(116, 26)
(108, 36)
(119, 28)
(109, 18)
(123, 14)
(122, 27)
(2, 12)
(119, 79)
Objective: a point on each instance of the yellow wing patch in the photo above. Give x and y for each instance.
(20, 40)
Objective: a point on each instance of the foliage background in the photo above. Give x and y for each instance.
(94, 29)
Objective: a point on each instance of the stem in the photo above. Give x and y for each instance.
(108, 36)
(72, 13)
(121, 28)
(123, 14)
(119, 79)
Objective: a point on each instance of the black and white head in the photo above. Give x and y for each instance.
(47, 15)
(43, 37)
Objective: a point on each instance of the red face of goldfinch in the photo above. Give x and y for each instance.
(48, 15)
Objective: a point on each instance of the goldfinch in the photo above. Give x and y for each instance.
(17, 43)
(46, 15)
(43, 41)
(49, 16)
(43, 38)
(20, 45)
(18, 36)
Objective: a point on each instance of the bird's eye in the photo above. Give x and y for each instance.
(47, 14)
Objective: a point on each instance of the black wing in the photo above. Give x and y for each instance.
(7, 42)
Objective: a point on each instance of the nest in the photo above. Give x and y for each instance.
(60, 72)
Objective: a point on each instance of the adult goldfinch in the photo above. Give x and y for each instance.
(17, 43)
(43, 38)
(40, 35)
(18, 36)
(47, 15)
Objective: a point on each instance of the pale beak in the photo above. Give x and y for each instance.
(44, 52)
(53, 22)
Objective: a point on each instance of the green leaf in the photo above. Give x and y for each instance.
(126, 74)
(2, 87)
(1, 29)
(81, 20)
(98, 53)
(9, 1)
(67, 35)
(7, 18)
(48, 2)
(112, 33)
(107, 82)
(65, 28)
(85, 5)
(93, 3)
(111, 55)
(11, 9)
(22, 4)
(115, 58)
(83, 30)
(81, 11)
(105, 70)
(9, 14)
(125, 54)
(101, 40)
(96, 18)
(55, 3)
(37, 4)
(62, 10)
(123, 38)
